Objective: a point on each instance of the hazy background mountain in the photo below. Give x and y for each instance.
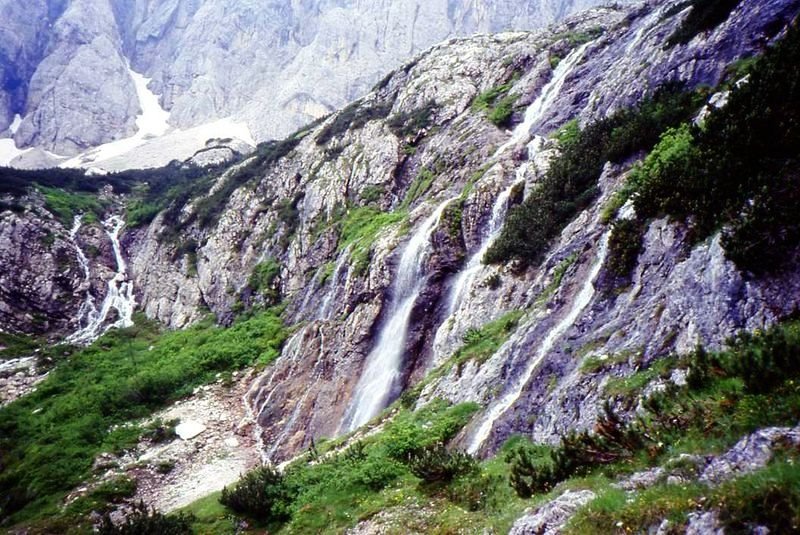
(272, 64)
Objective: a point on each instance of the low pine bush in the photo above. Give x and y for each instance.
(438, 464)
(262, 494)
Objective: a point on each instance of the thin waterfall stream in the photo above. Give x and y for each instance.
(522, 134)
(581, 301)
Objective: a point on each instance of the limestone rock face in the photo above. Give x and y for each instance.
(275, 65)
(80, 94)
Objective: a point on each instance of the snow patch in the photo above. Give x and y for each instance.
(9, 151)
(152, 122)
(15, 124)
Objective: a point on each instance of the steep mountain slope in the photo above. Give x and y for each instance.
(371, 228)
(272, 65)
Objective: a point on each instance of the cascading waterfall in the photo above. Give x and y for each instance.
(119, 296)
(474, 265)
(549, 93)
(521, 134)
(380, 378)
(581, 301)
(325, 307)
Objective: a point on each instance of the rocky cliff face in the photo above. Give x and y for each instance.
(681, 294)
(274, 65)
(353, 197)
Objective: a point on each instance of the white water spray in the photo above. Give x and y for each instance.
(380, 378)
(581, 301)
(119, 296)
(474, 265)
(326, 307)
(549, 93)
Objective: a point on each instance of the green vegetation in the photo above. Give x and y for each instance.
(354, 116)
(568, 134)
(49, 438)
(722, 403)
(372, 193)
(497, 103)
(436, 464)
(66, 205)
(570, 184)
(575, 38)
(770, 498)
(209, 517)
(330, 492)
(145, 521)
(739, 171)
(359, 230)
(13, 346)
(262, 494)
(480, 344)
(265, 281)
(624, 246)
(704, 16)
(417, 188)
(558, 276)
(407, 465)
(208, 209)
(409, 124)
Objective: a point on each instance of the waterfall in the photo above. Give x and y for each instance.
(581, 301)
(120, 290)
(550, 91)
(474, 265)
(325, 307)
(521, 134)
(380, 378)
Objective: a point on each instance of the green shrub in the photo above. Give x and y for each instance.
(65, 205)
(497, 103)
(420, 185)
(265, 281)
(480, 344)
(765, 360)
(262, 493)
(409, 124)
(372, 194)
(624, 247)
(145, 521)
(159, 431)
(532, 471)
(359, 229)
(354, 116)
(501, 114)
(577, 454)
(375, 472)
(437, 464)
